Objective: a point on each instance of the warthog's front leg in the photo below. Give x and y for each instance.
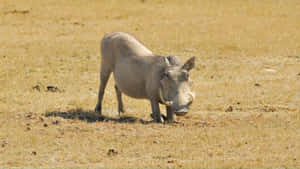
(156, 115)
(171, 117)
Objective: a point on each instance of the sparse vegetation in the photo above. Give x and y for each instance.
(247, 84)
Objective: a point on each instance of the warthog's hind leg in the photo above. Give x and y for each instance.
(104, 76)
(120, 101)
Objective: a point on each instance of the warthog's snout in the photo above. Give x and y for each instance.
(182, 111)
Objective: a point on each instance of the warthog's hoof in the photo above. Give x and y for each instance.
(171, 120)
(98, 109)
(161, 119)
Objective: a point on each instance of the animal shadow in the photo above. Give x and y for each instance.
(92, 116)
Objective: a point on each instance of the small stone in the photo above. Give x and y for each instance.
(29, 115)
(54, 89)
(171, 161)
(229, 109)
(155, 142)
(45, 125)
(257, 84)
(33, 152)
(112, 152)
(37, 87)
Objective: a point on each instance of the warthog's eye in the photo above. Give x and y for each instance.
(185, 76)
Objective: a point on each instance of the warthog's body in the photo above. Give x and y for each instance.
(141, 74)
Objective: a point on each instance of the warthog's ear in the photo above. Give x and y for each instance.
(166, 61)
(189, 64)
(174, 60)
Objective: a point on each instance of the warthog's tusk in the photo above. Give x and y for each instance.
(168, 103)
(192, 95)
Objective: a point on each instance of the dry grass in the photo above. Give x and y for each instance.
(248, 58)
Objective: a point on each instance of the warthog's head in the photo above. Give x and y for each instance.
(175, 85)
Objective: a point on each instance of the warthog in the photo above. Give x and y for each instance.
(141, 74)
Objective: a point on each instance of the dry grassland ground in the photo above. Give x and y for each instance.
(247, 82)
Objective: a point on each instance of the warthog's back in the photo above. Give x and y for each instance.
(122, 44)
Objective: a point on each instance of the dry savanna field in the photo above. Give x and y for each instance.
(247, 84)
